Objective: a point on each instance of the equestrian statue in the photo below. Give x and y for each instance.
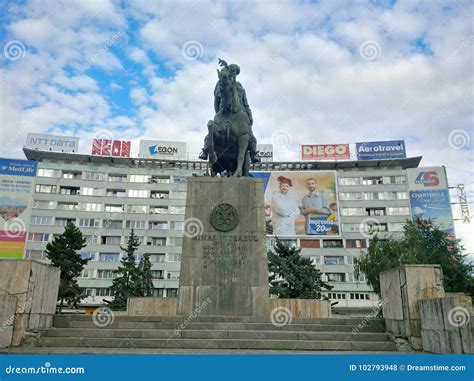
(230, 144)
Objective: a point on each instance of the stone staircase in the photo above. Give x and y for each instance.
(216, 333)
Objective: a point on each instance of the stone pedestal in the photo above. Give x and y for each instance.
(224, 269)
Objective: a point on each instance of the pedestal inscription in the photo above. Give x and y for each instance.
(224, 264)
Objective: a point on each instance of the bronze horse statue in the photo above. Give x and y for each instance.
(229, 132)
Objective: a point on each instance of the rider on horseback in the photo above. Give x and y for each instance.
(235, 69)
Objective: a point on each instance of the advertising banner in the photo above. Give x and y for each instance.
(106, 147)
(265, 152)
(387, 150)
(160, 149)
(434, 205)
(45, 142)
(427, 178)
(325, 152)
(17, 179)
(299, 204)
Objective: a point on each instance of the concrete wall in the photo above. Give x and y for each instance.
(403, 287)
(35, 285)
(152, 306)
(303, 308)
(446, 324)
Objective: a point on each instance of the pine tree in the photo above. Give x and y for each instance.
(62, 252)
(127, 282)
(293, 276)
(146, 276)
(422, 243)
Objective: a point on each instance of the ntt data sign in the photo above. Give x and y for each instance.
(159, 149)
(45, 142)
(393, 149)
(325, 152)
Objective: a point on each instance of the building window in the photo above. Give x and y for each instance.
(118, 178)
(138, 193)
(89, 255)
(41, 220)
(395, 226)
(353, 212)
(91, 207)
(87, 191)
(175, 241)
(159, 194)
(339, 260)
(116, 193)
(136, 209)
(332, 243)
(157, 241)
(158, 209)
(180, 179)
(375, 211)
(345, 196)
(69, 190)
(178, 195)
(41, 188)
(38, 237)
(62, 222)
(48, 173)
(172, 275)
(177, 209)
(157, 274)
(316, 259)
(349, 181)
(309, 243)
(112, 224)
(398, 211)
(114, 208)
(110, 240)
(87, 273)
(135, 224)
(336, 277)
(350, 259)
(160, 180)
(109, 257)
(88, 223)
(158, 225)
(103, 292)
(139, 178)
(173, 258)
(356, 244)
(157, 258)
(35, 254)
(158, 292)
(38, 204)
(171, 292)
(394, 180)
(71, 175)
(106, 274)
(67, 206)
(94, 176)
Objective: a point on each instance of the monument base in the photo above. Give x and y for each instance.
(224, 266)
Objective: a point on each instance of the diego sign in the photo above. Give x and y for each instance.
(45, 142)
(325, 152)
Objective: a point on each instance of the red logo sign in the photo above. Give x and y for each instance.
(428, 179)
(105, 147)
(325, 152)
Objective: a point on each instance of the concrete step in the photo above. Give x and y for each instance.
(263, 344)
(214, 334)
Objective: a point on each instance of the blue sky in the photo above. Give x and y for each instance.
(314, 72)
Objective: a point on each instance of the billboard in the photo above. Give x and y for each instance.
(433, 204)
(387, 150)
(45, 142)
(300, 204)
(325, 152)
(265, 152)
(17, 179)
(427, 178)
(107, 147)
(160, 149)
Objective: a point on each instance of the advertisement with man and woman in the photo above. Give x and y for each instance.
(300, 203)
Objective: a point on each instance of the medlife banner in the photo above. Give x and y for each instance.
(44, 142)
(17, 179)
(386, 150)
(161, 149)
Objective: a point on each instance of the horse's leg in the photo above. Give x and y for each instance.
(243, 143)
(246, 167)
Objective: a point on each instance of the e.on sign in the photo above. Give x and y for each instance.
(325, 152)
